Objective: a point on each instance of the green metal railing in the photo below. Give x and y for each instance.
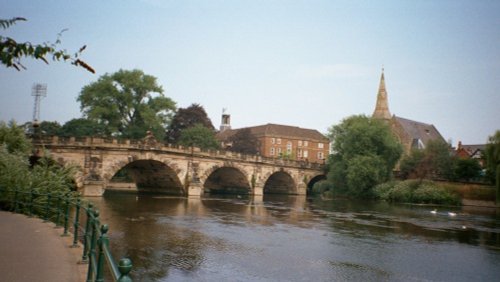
(67, 209)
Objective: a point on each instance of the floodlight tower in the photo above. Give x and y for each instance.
(38, 90)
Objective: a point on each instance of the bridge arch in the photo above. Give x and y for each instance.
(226, 179)
(314, 180)
(149, 176)
(280, 182)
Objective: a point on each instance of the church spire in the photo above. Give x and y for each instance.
(382, 107)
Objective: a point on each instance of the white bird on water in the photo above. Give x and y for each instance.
(452, 214)
(434, 211)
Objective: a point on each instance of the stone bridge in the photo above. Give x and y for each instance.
(148, 166)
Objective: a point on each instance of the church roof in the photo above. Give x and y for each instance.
(419, 131)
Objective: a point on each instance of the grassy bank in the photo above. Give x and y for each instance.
(468, 191)
(430, 192)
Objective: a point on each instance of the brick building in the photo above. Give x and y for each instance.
(282, 141)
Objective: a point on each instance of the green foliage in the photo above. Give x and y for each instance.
(492, 153)
(15, 173)
(243, 141)
(13, 139)
(11, 51)
(321, 187)
(81, 127)
(185, 118)
(467, 169)
(127, 104)
(365, 153)
(364, 173)
(199, 136)
(50, 128)
(415, 191)
(434, 161)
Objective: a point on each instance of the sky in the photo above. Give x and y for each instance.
(301, 63)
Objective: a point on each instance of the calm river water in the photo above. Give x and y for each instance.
(293, 238)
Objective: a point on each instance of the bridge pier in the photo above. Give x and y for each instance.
(258, 190)
(301, 189)
(93, 188)
(195, 189)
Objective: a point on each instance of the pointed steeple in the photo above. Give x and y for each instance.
(382, 107)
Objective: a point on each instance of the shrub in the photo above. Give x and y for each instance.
(415, 191)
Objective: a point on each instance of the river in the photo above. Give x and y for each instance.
(297, 238)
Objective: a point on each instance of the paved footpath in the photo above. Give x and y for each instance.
(31, 250)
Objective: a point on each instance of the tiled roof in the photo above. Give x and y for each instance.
(277, 130)
(474, 150)
(419, 130)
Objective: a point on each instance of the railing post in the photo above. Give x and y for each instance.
(47, 208)
(124, 266)
(66, 216)
(86, 241)
(92, 252)
(76, 224)
(103, 240)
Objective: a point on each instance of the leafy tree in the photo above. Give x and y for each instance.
(50, 128)
(467, 169)
(492, 153)
(435, 160)
(199, 136)
(13, 139)
(185, 118)
(127, 104)
(81, 127)
(243, 141)
(11, 51)
(365, 153)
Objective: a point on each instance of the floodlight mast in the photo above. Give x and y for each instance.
(38, 90)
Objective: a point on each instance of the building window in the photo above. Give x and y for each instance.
(321, 156)
(299, 143)
(306, 154)
(306, 143)
(278, 141)
(272, 151)
(321, 145)
(279, 151)
(273, 140)
(288, 147)
(299, 153)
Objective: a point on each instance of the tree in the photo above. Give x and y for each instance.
(11, 51)
(127, 104)
(492, 153)
(13, 139)
(365, 153)
(198, 136)
(185, 118)
(435, 160)
(81, 127)
(243, 141)
(467, 169)
(49, 128)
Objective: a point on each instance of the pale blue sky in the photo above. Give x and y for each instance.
(303, 63)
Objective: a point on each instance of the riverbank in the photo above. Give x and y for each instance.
(33, 250)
